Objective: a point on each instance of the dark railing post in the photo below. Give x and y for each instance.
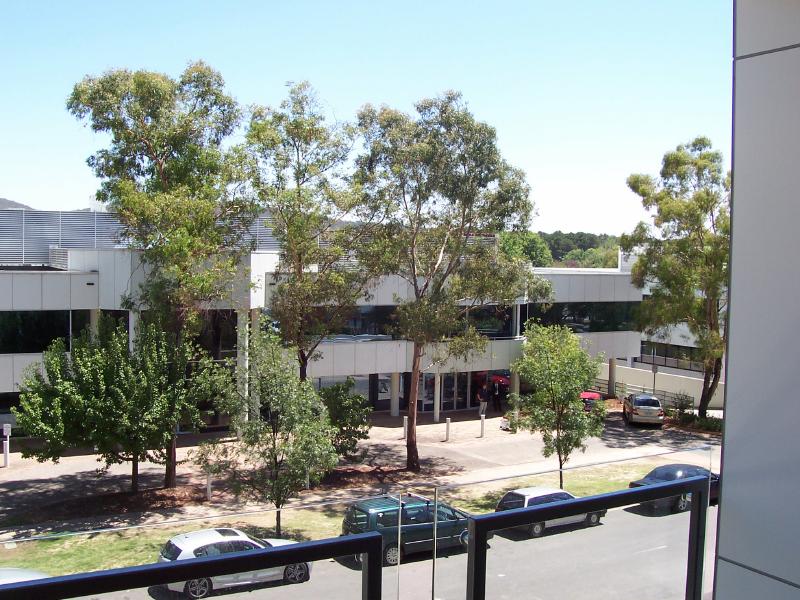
(697, 544)
(476, 562)
(371, 565)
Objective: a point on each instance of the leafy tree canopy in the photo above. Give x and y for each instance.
(526, 245)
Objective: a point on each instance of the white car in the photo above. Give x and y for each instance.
(14, 575)
(643, 408)
(535, 496)
(217, 542)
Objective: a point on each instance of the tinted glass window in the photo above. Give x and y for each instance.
(356, 519)
(170, 551)
(512, 500)
(649, 402)
(387, 519)
(445, 513)
(29, 331)
(416, 515)
(666, 473)
(241, 546)
(561, 496)
(546, 499)
(587, 316)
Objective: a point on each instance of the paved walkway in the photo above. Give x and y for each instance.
(466, 458)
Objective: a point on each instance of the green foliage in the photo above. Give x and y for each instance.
(125, 404)
(526, 245)
(285, 435)
(349, 414)
(180, 196)
(562, 243)
(604, 256)
(558, 370)
(317, 215)
(683, 257)
(446, 191)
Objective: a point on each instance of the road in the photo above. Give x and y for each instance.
(633, 554)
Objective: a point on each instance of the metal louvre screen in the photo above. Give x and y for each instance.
(27, 236)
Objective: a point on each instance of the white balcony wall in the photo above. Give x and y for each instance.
(12, 369)
(590, 285)
(48, 290)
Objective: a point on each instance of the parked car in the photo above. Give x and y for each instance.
(676, 472)
(643, 408)
(15, 575)
(216, 542)
(589, 399)
(381, 514)
(536, 496)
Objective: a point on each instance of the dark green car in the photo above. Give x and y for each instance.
(380, 514)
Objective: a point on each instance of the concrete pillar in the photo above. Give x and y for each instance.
(469, 389)
(437, 396)
(394, 401)
(242, 354)
(515, 324)
(133, 324)
(514, 383)
(94, 320)
(255, 323)
(612, 376)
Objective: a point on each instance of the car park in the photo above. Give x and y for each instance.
(643, 408)
(221, 541)
(381, 514)
(676, 472)
(537, 496)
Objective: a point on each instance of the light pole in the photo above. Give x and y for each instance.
(655, 370)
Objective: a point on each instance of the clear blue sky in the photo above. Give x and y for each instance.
(582, 93)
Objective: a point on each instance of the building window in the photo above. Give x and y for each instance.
(587, 317)
(30, 331)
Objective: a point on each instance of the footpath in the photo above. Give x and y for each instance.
(467, 458)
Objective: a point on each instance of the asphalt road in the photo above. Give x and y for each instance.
(633, 554)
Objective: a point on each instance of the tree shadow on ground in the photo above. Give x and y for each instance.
(618, 434)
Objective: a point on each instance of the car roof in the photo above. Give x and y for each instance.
(201, 537)
(679, 467)
(646, 396)
(535, 492)
(380, 503)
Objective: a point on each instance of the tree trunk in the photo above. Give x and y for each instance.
(412, 455)
(170, 474)
(560, 472)
(278, 523)
(302, 358)
(135, 475)
(710, 382)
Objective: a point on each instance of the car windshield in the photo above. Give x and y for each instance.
(651, 402)
(356, 519)
(170, 551)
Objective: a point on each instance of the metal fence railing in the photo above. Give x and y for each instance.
(668, 399)
(367, 545)
(482, 526)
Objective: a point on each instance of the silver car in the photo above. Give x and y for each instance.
(536, 496)
(643, 408)
(217, 542)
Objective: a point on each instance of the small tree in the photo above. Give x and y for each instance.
(99, 394)
(289, 439)
(349, 414)
(558, 370)
(526, 245)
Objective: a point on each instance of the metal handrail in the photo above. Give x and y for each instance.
(368, 545)
(481, 525)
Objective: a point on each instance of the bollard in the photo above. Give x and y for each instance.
(405, 428)
(208, 486)
(447, 429)
(308, 481)
(6, 453)
(483, 424)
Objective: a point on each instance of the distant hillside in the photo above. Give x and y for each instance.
(6, 203)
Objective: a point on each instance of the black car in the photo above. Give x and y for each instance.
(675, 472)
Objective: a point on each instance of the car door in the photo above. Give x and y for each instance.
(447, 530)
(218, 549)
(258, 575)
(417, 531)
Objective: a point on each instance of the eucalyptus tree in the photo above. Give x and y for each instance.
(446, 191)
(683, 256)
(317, 215)
(182, 198)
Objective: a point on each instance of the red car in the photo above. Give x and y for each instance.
(590, 399)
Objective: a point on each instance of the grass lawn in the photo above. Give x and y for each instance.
(99, 551)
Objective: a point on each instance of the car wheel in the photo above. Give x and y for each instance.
(537, 530)
(296, 573)
(681, 504)
(464, 538)
(592, 519)
(391, 555)
(198, 588)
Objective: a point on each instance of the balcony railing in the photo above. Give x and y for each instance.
(367, 545)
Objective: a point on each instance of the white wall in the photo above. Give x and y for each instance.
(666, 382)
(758, 541)
(12, 369)
(590, 285)
(48, 290)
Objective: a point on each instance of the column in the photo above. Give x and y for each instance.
(133, 324)
(255, 323)
(437, 396)
(394, 402)
(514, 383)
(612, 376)
(469, 389)
(94, 320)
(515, 324)
(242, 354)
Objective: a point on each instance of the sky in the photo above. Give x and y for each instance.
(581, 93)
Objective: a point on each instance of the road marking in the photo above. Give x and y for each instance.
(651, 549)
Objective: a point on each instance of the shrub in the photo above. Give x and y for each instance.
(349, 414)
